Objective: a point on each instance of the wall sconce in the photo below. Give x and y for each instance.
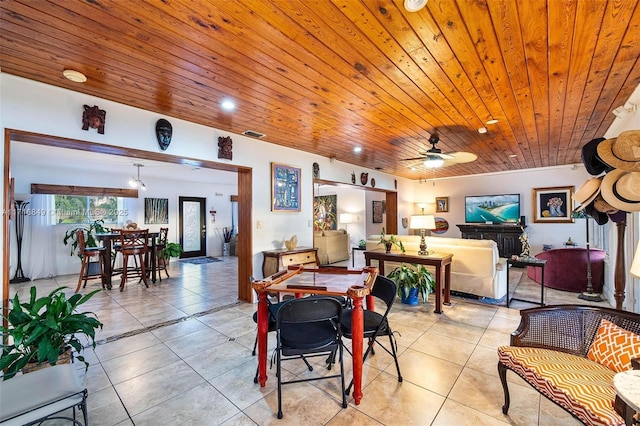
(213, 214)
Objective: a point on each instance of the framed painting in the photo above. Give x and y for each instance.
(325, 212)
(285, 188)
(442, 204)
(553, 205)
(156, 211)
(378, 211)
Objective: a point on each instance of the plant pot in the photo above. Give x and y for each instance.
(412, 297)
(65, 358)
(387, 246)
(226, 249)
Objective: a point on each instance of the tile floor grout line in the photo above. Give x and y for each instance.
(164, 324)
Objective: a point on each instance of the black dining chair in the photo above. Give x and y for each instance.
(308, 327)
(376, 324)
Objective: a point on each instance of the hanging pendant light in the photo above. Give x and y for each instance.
(137, 182)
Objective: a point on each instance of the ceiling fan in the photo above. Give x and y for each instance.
(434, 158)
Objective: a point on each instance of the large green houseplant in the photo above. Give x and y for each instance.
(91, 229)
(172, 250)
(408, 277)
(43, 328)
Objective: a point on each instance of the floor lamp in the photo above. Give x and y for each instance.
(20, 215)
(589, 294)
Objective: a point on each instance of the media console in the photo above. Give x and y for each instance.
(506, 236)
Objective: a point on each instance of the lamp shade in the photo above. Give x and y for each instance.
(346, 218)
(635, 265)
(422, 221)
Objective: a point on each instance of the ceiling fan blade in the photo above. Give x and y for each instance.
(413, 159)
(461, 157)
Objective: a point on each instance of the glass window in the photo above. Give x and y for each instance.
(83, 209)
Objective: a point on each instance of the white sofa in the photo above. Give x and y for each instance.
(333, 245)
(476, 267)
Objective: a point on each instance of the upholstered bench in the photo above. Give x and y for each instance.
(570, 354)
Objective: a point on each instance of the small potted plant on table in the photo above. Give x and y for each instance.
(44, 330)
(390, 241)
(412, 281)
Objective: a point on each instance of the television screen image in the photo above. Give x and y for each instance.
(492, 208)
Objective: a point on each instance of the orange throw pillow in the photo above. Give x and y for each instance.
(614, 347)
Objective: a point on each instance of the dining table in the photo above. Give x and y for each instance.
(108, 238)
(319, 280)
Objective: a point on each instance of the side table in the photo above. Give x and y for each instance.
(523, 262)
(627, 386)
(353, 253)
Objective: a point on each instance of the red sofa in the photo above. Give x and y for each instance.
(566, 269)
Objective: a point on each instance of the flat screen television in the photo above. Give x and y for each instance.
(503, 208)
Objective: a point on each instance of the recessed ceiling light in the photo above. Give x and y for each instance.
(492, 121)
(482, 130)
(228, 105)
(357, 149)
(75, 76)
(513, 156)
(414, 5)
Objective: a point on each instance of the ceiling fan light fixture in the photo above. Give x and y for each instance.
(414, 5)
(492, 121)
(433, 163)
(482, 130)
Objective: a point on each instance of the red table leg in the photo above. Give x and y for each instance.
(263, 330)
(357, 326)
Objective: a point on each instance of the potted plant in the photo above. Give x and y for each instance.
(70, 237)
(227, 234)
(41, 330)
(390, 241)
(413, 280)
(172, 250)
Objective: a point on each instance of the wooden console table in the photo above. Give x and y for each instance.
(441, 261)
(507, 237)
(278, 260)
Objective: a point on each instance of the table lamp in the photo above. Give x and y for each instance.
(346, 218)
(422, 222)
(635, 265)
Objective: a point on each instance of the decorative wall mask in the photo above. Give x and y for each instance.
(164, 131)
(364, 178)
(373, 183)
(316, 171)
(353, 177)
(225, 148)
(93, 117)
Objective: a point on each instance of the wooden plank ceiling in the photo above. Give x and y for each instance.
(327, 76)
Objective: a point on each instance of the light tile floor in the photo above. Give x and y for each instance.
(179, 353)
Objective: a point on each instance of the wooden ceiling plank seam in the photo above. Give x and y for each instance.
(487, 49)
(534, 35)
(605, 51)
(560, 35)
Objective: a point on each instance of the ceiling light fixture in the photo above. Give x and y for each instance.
(482, 130)
(75, 76)
(414, 5)
(357, 149)
(433, 162)
(136, 182)
(492, 121)
(228, 105)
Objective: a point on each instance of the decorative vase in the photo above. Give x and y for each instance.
(411, 297)
(226, 249)
(387, 246)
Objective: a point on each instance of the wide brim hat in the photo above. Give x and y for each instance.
(621, 189)
(592, 162)
(622, 152)
(587, 193)
(599, 217)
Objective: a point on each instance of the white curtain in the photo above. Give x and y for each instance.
(41, 257)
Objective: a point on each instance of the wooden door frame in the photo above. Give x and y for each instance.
(244, 176)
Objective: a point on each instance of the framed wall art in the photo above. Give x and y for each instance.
(378, 211)
(156, 211)
(552, 205)
(442, 204)
(325, 212)
(285, 188)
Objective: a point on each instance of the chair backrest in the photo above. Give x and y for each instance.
(81, 240)
(309, 324)
(134, 240)
(385, 290)
(162, 237)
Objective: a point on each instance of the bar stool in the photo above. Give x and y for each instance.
(161, 244)
(134, 243)
(87, 254)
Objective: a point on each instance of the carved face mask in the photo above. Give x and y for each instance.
(164, 130)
